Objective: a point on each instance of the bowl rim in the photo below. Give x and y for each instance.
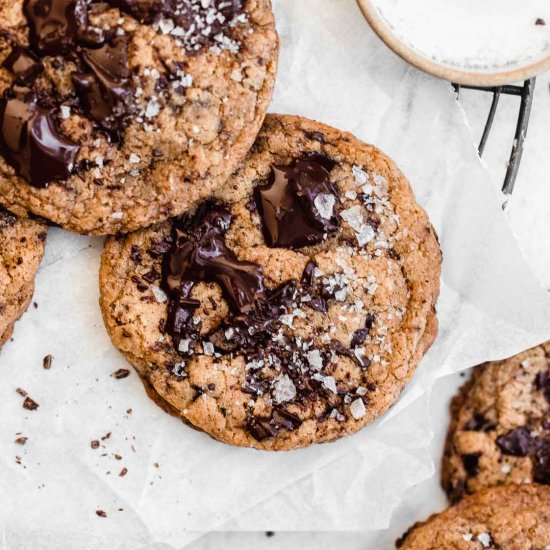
(458, 76)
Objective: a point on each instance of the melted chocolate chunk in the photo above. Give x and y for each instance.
(23, 65)
(287, 205)
(199, 254)
(105, 92)
(516, 442)
(30, 142)
(55, 24)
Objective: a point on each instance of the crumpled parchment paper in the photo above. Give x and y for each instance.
(180, 483)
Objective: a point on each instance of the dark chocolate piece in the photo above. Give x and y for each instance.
(199, 254)
(23, 65)
(471, 463)
(290, 218)
(516, 442)
(30, 142)
(54, 24)
(105, 92)
(541, 460)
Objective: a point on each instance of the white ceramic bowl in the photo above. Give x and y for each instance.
(504, 72)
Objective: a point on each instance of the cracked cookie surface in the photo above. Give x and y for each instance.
(21, 248)
(500, 425)
(119, 114)
(511, 517)
(290, 309)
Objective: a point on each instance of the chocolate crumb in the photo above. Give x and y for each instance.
(21, 440)
(94, 444)
(106, 436)
(21, 392)
(30, 404)
(540, 22)
(121, 373)
(123, 472)
(269, 534)
(47, 361)
(101, 513)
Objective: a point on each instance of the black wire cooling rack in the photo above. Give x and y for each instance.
(525, 92)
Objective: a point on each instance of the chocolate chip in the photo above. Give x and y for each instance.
(288, 206)
(542, 383)
(541, 460)
(516, 442)
(263, 428)
(479, 423)
(121, 373)
(471, 463)
(30, 404)
(359, 336)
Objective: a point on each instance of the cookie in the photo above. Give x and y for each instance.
(21, 248)
(291, 309)
(118, 114)
(500, 425)
(510, 517)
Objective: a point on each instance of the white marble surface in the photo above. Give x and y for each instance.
(528, 213)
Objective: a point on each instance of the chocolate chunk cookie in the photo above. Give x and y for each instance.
(292, 308)
(511, 517)
(500, 425)
(118, 114)
(21, 248)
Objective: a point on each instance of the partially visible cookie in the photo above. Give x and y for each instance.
(511, 517)
(292, 308)
(118, 114)
(21, 248)
(500, 425)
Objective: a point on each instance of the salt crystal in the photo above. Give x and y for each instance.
(159, 294)
(357, 409)
(284, 389)
(324, 203)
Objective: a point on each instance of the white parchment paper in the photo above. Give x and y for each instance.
(181, 483)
